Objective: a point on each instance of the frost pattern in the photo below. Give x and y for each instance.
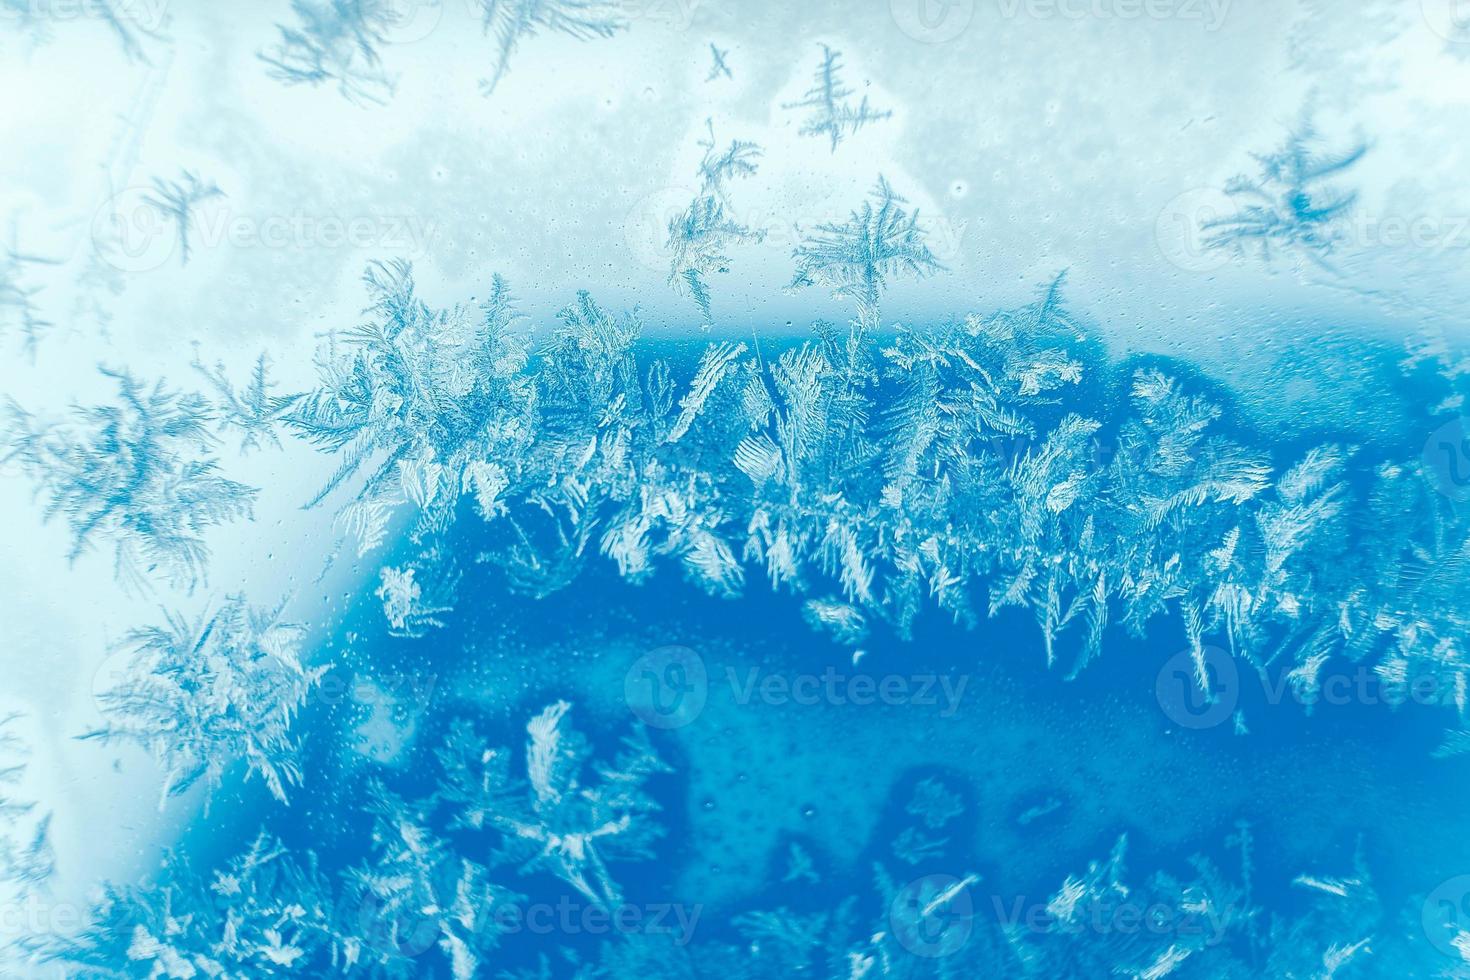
(18, 306)
(856, 259)
(937, 466)
(833, 114)
(26, 858)
(201, 696)
(424, 903)
(139, 474)
(252, 412)
(1289, 206)
(719, 67)
(262, 914)
(425, 400)
(120, 17)
(337, 41)
(569, 817)
(700, 236)
(433, 877)
(511, 21)
(176, 201)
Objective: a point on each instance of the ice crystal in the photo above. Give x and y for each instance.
(833, 114)
(942, 466)
(419, 892)
(140, 474)
(251, 412)
(337, 41)
(262, 914)
(25, 853)
(511, 21)
(26, 858)
(427, 398)
(700, 236)
(121, 17)
(718, 66)
(855, 260)
(424, 888)
(201, 696)
(176, 201)
(411, 613)
(569, 817)
(18, 306)
(1289, 206)
(129, 21)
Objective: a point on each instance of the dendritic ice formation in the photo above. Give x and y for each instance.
(342, 42)
(877, 474)
(986, 462)
(26, 858)
(700, 235)
(138, 475)
(439, 874)
(831, 112)
(438, 892)
(336, 41)
(19, 309)
(201, 696)
(1290, 206)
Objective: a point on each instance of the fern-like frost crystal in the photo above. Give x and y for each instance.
(202, 696)
(139, 474)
